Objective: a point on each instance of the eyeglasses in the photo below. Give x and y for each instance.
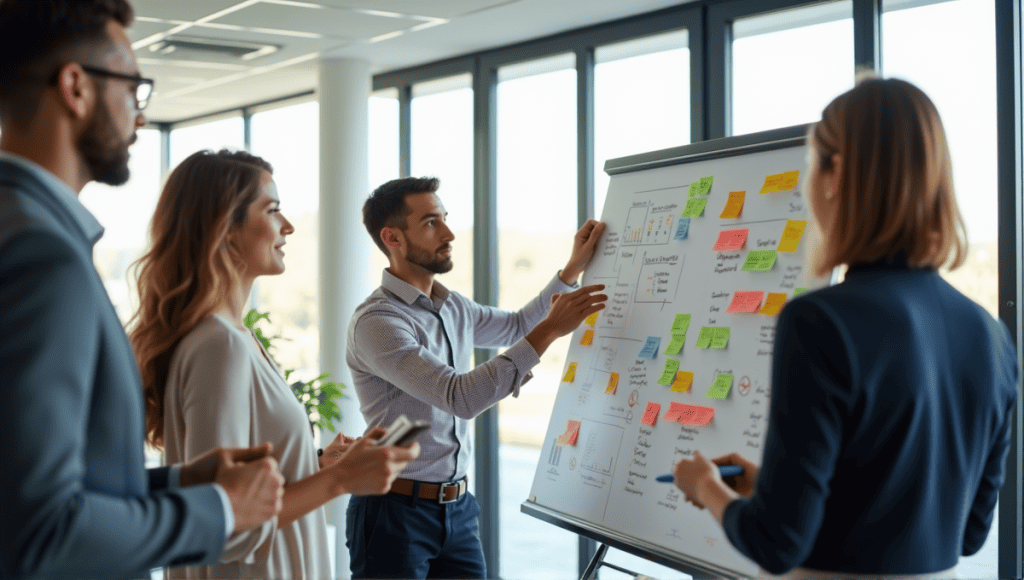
(143, 86)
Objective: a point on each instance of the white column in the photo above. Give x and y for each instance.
(345, 247)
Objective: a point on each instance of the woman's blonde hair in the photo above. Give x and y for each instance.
(895, 196)
(190, 267)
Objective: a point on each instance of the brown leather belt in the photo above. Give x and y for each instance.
(439, 492)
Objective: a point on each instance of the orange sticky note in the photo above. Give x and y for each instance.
(773, 303)
(734, 205)
(613, 384)
(745, 301)
(570, 374)
(588, 337)
(592, 319)
(651, 414)
(791, 235)
(572, 433)
(730, 240)
(684, 379)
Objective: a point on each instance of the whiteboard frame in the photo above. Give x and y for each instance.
(795, 136)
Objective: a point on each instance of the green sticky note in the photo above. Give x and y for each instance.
(695, 207)
(676, 344)
(721, 387)
(695, 189)
(705, 184)
(705, 336)
(799, 291)
(680, 324)
(720, 337)
(760, 261)
(669, 374)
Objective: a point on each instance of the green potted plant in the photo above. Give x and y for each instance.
(317, 395)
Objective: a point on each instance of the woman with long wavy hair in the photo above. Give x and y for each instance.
(209, 383)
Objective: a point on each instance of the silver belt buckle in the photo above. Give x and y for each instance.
(440, 493)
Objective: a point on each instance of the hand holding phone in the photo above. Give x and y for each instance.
(403, 431)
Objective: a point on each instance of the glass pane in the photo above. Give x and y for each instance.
(948, 50)
(383, 155)
(228, 132)
(289, 138)
(641, 100)
(536, 107)
(442, 146)
(125, 213)
(787, 65)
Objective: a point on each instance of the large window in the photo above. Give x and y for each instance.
(383, 154)
(787, 65)
(948, 50)
(125, 213)
(442, 146)
(288, 138)
(215, 134)
(641, 100)
(537, 200)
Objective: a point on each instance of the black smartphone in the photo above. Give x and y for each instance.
(403, 431)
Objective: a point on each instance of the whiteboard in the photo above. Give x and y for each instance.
(601, 483)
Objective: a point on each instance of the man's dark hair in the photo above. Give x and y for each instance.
(385, 208)
(38, 36)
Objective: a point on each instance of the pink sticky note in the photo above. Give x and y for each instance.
(572, 431)
(674, 411)
(731, 240)
(696, 415)
(651, 414)
(745, 301)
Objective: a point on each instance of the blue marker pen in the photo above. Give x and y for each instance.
(723, 470)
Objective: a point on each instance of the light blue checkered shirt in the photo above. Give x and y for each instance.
(412, 355)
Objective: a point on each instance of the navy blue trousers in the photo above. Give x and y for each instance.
(398, 536)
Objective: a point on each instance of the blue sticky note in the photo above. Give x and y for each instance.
(682, 229)
(650, 350)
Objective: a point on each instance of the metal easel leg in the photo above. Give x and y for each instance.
(595, 563)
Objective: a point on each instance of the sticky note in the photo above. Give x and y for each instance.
(689, 414)
(682, 229)
(695, 189)
(773, 303)
(676, 344)
(669, 374)
(720, 388)
(650, 349)
(588, 337)
(745, 301)
(570, 373)
(651, 414)
(734, 205)
(720, 337)
(789, 180)
(799, 291)
(680, 324)
(695, 207)
(705, 184)
(572, 433)
(791, 235)
(592, 319)
(760, 261)
(730, 240)
(771, 183)
(683, 381)
(613, 384)
(705, 336)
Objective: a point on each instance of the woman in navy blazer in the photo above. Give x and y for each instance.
(891, 391)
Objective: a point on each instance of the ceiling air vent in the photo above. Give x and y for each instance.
(189, 46)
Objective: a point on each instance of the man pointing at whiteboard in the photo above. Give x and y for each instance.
(410, 349)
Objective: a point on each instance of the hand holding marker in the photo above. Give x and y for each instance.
(723, 470)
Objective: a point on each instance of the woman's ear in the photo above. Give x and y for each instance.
(836, 175)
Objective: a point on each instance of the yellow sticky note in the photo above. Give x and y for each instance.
(570, 375)
(588, 337)
(734, 205)
(591, 320)
(771, 183)
(613, 384)
(773, 303)
(789, 180)
(684, 379)
(791, 235)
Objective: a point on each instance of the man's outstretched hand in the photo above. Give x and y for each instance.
(567, 312)
(583, 247)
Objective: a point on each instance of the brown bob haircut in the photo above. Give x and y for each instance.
(895, 197)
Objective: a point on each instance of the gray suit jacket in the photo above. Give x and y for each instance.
(77, 500)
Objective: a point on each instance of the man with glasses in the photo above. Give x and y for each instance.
(77, 499)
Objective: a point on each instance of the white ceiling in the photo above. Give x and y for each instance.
(390, 34)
